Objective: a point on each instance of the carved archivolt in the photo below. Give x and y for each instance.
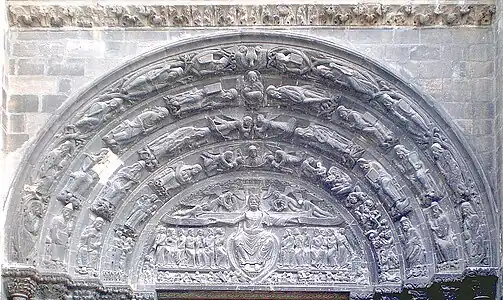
(249, 15)
(251, 160)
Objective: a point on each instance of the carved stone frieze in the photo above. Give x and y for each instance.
(249, 15)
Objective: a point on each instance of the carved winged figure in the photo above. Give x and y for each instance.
(250, 58)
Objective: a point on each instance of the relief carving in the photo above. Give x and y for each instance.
(175, 177)
(243, 229)
(253, 90)
(401, 110)
(116, 189)
(79, 184)
(412, 165)
(446, 251)
(90, 246)
(129, 131)
(449, 167)
(165, 16)
(344, 76)
(378, 232)
(144, 207)
(211, 96)
(60, 229)
(250, 58)
(415, 252)
(472, 234)
(99, 113)
(385, 185)
(289, 60)
(153, 80)
(367, 124)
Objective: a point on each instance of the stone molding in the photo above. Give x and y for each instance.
(163, 16)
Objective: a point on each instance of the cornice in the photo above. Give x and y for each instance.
(29, 15)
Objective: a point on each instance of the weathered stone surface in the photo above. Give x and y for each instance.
(268, 142)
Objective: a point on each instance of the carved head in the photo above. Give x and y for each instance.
(401, 151)
(436, 150)
(364, 164)
(230, 94)
(467, 209)
(115, 103)
(160, 230)
(36, 209)
(436, 209)
(228, 156)
(406, 224)
(252, 76)
(273, 92)
(247, 122)
(343, 112)
(67, 211)
(253, 202)
(386, 100)
(252, 151)
(98, 223)
(242, 48)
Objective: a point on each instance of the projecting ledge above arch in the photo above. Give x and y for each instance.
(245, 107)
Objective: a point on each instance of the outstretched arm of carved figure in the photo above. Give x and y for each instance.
(228, 222)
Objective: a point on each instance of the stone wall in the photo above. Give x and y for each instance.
(454, 65)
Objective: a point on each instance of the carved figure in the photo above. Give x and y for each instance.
(380, 179)
(152, 80)
(368, 124)
(54, 162)
(174, 177)
(289, 61)
(128, 131)
(225, 202)
(253, 159)
(226, 160)
(59, 234)
(302, 205)
(415, 253)
(339, 182)
(89, 249)
(209, 96)
(287, 249)
(403, 112)
(81, 180)
(324, 135)
(210, 62)
(253, 90)
(313, 168)
(449, 168)
(439, 224)
(472, 234)
(297, 94)
(99, 113)
(339, 74)
(412, 163)
(143, 208)
(282, 160)
(250, 58)
(264, 125)
(116, 189)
